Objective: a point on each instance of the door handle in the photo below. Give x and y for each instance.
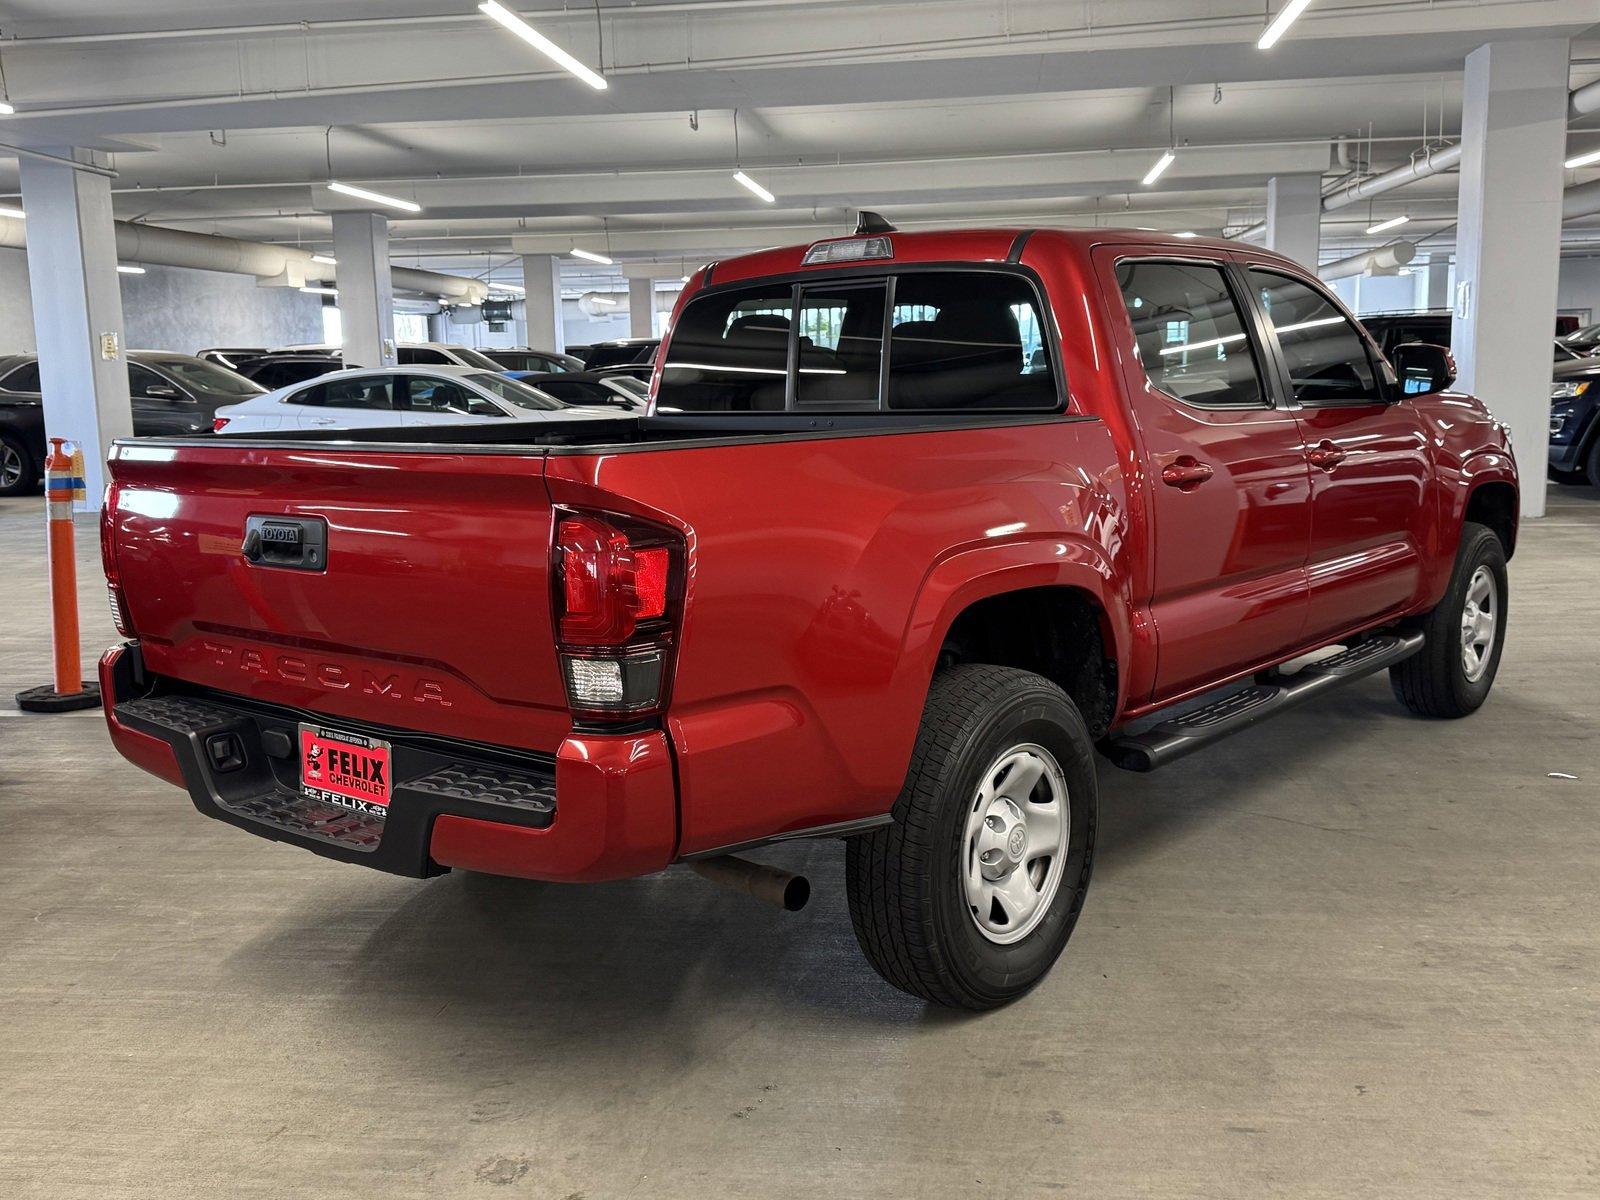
(1325, 455)
(324, 420)
(1185, 473)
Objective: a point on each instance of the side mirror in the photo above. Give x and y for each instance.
(1423, 369)
(161, 391)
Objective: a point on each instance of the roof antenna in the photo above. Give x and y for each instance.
(871, 222)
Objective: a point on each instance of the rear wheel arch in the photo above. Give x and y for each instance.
(1061, 632)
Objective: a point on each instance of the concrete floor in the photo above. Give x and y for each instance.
(1349, 954)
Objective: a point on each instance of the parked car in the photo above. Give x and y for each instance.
(419, 354)
(395, 396)
(634, 356)
(547, 362)
(876, 579)
(171, 394)
(1585, 341)
(1575, 422)
(235, 358)
(598, 388)
(1399, 329)
(274, 371)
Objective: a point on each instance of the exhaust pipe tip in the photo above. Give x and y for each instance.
(782, 889)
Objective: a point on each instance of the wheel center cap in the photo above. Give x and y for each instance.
(1017, 843)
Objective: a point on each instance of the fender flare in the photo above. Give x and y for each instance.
(967, 575)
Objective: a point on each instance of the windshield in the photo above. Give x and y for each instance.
(516, 392)
(201, 376)
(1587, 336)
(472, 358)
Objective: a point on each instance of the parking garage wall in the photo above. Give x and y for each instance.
(169, 308)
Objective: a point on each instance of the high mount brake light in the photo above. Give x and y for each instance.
(851, 250)
(617, 583)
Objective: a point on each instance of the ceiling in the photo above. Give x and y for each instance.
(229, 118)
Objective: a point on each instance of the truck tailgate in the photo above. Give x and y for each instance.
(430, 611)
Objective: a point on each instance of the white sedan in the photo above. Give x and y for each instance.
(400, 396)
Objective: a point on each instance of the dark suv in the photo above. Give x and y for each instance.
(172, 394)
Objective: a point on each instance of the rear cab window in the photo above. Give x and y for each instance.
(909, 340)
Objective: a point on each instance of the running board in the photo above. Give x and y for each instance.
(1172, 739)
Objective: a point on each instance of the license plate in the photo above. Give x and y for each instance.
(345, 769)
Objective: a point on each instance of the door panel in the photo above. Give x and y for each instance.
(1226, 472)
(1368, 457)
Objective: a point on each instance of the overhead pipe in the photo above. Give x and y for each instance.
(156, 245)
(1429, 162)
(1584, 100)
(1384, 258)
(1581, 201)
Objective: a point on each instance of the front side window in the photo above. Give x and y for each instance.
(514, 391)
(421, 356)
(208, 378)
(146, 384)
(1326, 358)
(1189, 333)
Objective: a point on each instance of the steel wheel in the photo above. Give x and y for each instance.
(1478, 617)
(11, 467)
(1015, 845)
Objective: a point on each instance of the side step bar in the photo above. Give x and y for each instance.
(1171, 739)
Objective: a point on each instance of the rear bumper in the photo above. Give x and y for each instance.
(602, 808)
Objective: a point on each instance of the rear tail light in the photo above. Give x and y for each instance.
(108, 560)
(218, 424)
(618, 591)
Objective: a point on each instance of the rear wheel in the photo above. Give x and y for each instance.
(17, 472)
(970, 896)
(1452, 674)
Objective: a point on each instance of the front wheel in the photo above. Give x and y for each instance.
(1452, 674)
(969, 897)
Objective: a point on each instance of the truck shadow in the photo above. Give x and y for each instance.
(652, 971)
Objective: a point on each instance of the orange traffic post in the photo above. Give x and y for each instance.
(68, 691)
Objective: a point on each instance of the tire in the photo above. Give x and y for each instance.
(1592, 470)
(911, 884)
(1435, 681)
(18, 474)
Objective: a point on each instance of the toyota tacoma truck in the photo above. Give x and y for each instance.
(916, 524)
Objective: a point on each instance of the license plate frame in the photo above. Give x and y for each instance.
(347, 770)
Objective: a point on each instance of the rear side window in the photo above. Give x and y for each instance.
(1326, 357)
(421, 356)
(376, 392)
(1190, 333)
(957, 340)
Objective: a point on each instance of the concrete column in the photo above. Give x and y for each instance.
(1294, 217)
(1513, 135)
(641, 308)
(366, 289)
(541, 276)
(77, 311)
(1436, 282)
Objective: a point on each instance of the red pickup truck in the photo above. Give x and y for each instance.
(916, 524)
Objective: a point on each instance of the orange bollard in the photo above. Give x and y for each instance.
(63, 482)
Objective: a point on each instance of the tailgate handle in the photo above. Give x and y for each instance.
(292, 543)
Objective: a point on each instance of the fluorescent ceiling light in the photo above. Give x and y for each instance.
(1391, 223)
(603, 301)
(326, 259)
(542, 44)
(685, 279)
(125, 270)
(1162, 163)
(7, 211)
(745, 181)
(320, 291)
(348, 189)
(1583, 160)
(591, 256)
(508, 287)
(6, 108)
(1280, 23)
